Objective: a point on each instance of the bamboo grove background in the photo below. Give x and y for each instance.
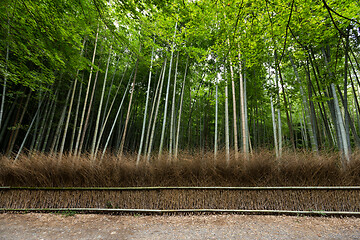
(156, 78)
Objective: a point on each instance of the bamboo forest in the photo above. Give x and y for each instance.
(183, 92)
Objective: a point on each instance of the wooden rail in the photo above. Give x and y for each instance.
(162, 211)
(183, 188)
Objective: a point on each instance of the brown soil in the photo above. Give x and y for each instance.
(91, 226)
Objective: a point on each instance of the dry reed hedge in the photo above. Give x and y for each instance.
(261, 169)
(300, 200)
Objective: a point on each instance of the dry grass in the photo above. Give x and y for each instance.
(304, 200)
(261, 169)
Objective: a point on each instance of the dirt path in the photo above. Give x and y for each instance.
(91, 226)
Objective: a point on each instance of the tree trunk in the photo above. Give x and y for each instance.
(279, 114)
(70, 107)
(274, 128)
(116, 118)
(42, 126)
(216, 121)
(248, 140)
(75, 120)
(109, 111)
(8, 117)
(129, 108)
(313, 140)
(5, 75)
(243, 112)
(227, 142)
(81, 145)
(234, 112)
(76, 152)
(167, 96)
(345, 102)
(35, 134)
(351, 123)
(340, 123)
(342, 138)
(291, 132)
(320, 105)
(111, 84)
(17, 125)
(52, 114)
(180, 111)
(155, 96)
(60, 124)
(173, 109)
(156, 114)
(146, 108)
(93, 145)
(356, 101)
(28, 131)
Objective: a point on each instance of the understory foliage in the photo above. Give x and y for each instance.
(191, 169)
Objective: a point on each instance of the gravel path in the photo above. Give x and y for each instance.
(91, 226)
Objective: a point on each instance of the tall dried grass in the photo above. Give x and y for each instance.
(261, 169)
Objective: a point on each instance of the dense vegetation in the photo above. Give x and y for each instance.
(153, 76)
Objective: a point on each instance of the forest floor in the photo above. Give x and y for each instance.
(92, 226)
